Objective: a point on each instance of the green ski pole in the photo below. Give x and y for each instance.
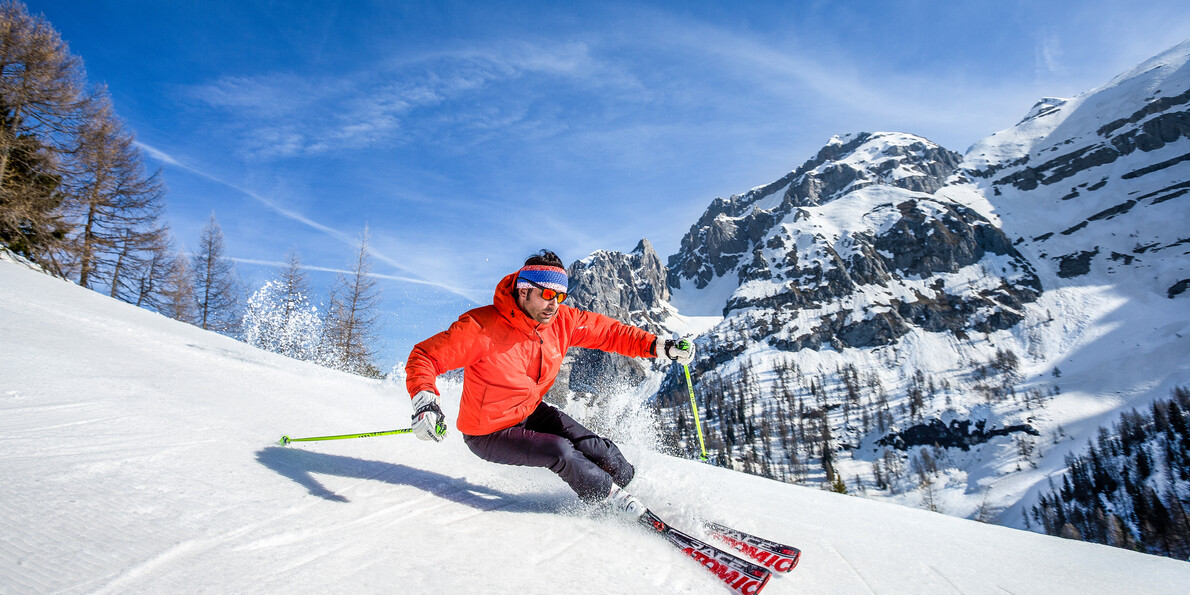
(285, 440)
(693, 405)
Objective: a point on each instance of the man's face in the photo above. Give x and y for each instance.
(537, 307)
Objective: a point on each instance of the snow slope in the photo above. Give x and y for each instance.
(139, 456)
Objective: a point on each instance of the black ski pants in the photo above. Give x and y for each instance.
(549, 438)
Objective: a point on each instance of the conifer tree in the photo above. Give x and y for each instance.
(294, 284)
(352, 317)
(215, 284)
(1121, 492)
(153, 281)
(296, 311)
(178, 299)
(119, 207)
(42, 101)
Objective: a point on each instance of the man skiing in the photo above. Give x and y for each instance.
(511, 352)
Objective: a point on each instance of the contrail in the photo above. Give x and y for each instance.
(270, 263)
(295, 216)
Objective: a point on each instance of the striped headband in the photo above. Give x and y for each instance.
(546, 276)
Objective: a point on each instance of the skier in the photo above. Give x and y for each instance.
(511, 352)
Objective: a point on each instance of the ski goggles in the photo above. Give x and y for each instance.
(546, 293)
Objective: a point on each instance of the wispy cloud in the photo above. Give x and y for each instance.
(286, 115)
(280, 115)
(1048, 54)
(796, 81)
(293, 215)
(272, 205)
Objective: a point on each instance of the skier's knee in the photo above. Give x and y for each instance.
(622, 473)
(557, 448)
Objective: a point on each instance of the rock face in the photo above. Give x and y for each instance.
(727, 231)
(628, 287)
(957, 434)
(1150, 127)
(856, 224)
(919, 244)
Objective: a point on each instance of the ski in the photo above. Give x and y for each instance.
(777, 557)
(740, 575)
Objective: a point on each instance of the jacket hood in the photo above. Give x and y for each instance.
(505, 302)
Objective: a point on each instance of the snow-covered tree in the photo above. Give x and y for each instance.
(281, 322)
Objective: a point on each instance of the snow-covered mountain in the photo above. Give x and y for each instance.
(889, 297)
(856, 265)
(1099, 183)
(731, 232)
(139, 456)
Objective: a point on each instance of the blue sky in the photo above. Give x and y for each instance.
(467, 135)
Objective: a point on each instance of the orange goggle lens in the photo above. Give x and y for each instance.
(546, 293)
(550, 294)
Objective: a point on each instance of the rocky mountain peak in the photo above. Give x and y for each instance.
(730, 229)
(629, 287)
(853, 161)
(1044, 107)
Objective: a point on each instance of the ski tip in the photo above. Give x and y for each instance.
(284, 441)
(763, 581)
(797, 557)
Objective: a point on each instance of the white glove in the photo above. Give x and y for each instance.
(681, 352)
(428, 421)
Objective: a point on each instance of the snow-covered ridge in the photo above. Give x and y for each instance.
(1064, 125)
(1097, 185)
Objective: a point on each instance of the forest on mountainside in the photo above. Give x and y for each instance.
(1127, 489)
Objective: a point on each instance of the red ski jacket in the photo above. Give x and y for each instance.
(510, 361)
